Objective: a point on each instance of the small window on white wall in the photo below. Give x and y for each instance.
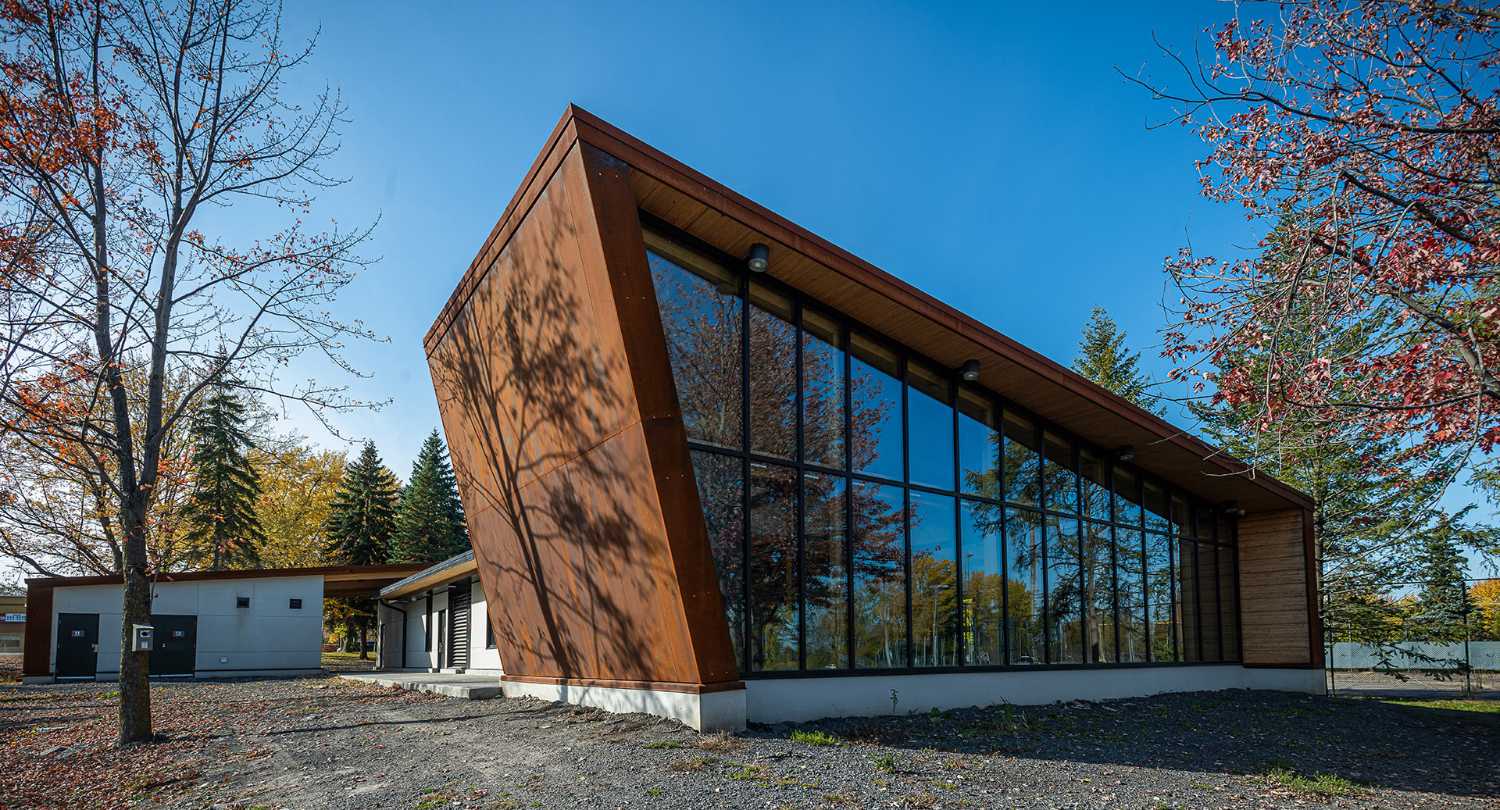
(294, 603)
(242, 601)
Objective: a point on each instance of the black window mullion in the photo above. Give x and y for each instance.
(848, 429)
(906, 498)
(1114, 543)
(801, 496)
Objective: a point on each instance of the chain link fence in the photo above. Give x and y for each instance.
(1399, 644)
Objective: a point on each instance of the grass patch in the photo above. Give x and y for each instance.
(434, 800)
(719, 741)
(885, 763)
(1319, 784)
(751, 773)
(692, 764)
(816, 737)
(1451, 705)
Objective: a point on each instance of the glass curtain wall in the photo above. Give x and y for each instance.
(868, 511)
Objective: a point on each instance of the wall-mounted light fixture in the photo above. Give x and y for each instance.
(1126, 453)
(759, 258)
(1234, 510)
(969, 371)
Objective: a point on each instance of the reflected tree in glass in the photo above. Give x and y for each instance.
(934, 581)
(822, 391)
(773, 567)
(1065, 593)
(1026, 590)
(879, 558)
(719, 483)
(1164, 628)
(701, 316)
(827, 594)
(773, 374)
(984, 584)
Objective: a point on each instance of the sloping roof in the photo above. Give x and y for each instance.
(434, 574)
(670, 191)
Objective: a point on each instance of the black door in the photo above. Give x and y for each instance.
(458, 618)
(175, 646)
(77, 645)
(442, 635)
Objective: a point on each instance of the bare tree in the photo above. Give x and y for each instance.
(125, 128)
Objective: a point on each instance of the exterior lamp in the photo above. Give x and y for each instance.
(1234, 510)
(759, 258)
(1126, 453)
(969, 371)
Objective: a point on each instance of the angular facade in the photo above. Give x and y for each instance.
(718, 494)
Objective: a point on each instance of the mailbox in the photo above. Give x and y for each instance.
(142, 635)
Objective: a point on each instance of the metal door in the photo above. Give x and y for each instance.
(77, 645)
(442, 635)
(175, 648)
(458, 635)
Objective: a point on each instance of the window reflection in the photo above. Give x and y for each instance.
(701, 315)
(929, 419)
(1022, 473)
(827, 585)
(773, 374)
(1098, 594)
(879, 551)
(1127, 497)
(934, 581)
(773, 567)
(719, 490)
(1155, 500)
(822, 391)
(1165, 629)
(1095, 504)
(1026, 590)
(1059, 480)
(1130, 576)
(1064, 592)
(978, 445)
(1208, 600)
(1187, 593)
(876, 393)
(984, 584)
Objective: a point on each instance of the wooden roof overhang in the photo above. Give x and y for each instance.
(697, 205)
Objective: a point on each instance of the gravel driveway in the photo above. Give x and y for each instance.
(324, 743)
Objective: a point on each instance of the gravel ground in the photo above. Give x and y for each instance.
(326, 743)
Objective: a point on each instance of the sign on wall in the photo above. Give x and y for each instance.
(15, 617)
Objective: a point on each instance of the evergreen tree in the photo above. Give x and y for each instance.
(221, 526)
(1444, 598)
(430, 519)
(361, 522)
(362, 519)
(1103, 358)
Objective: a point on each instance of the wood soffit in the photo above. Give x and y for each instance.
(713, 213)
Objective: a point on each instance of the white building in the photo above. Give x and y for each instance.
(205, 624)
(437, 620)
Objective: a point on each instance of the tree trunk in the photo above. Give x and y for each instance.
(364, 628)
(135, 667)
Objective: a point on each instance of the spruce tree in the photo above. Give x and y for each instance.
(362, 518)
(430, 519)
(1104, 359)
(361, 522)
(1443, 605)
(222, 528)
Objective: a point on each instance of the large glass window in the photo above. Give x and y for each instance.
(720, 491)
(1165, 627)
(826, 598)
(1065, 606)
(773, 374)
(934, 580)
(822, 391)
(1022, 462)
(984, 584)
(1098, 595)
(875, 430)
(865, 508)
(879, 555)
(773, 567)
(978, 445)
(1026, 589)
(929, 418)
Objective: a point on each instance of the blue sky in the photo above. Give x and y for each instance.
(991, 156)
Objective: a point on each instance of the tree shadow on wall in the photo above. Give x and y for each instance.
(522, 375)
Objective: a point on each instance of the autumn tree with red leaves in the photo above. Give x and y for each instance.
(1369, 132)
(121, 125)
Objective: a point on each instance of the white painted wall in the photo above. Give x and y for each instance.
(267, 637)
(423, 655)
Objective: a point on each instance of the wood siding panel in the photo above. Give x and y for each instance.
(36, 658)
(557, 400)
(1277, 626)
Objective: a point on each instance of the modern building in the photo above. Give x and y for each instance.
(12, 623)
(438, 620)
(718, 469)
(205, 623)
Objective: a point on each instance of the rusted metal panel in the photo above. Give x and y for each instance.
(36, 659)
(555, 395)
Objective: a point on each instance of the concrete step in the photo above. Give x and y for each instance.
(464, 687)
